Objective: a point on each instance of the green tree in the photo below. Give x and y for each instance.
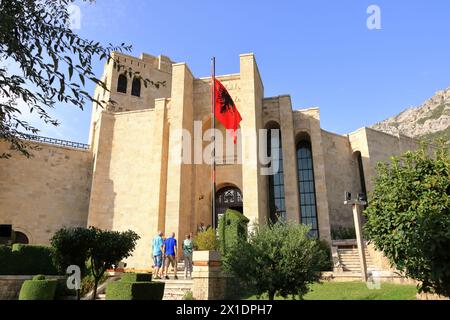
(72, 247)
(206, 240)
(54, 62)
(279, 259)
(109, 248)
(408, 216)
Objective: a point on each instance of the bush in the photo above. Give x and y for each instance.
(206, 240)
(232, 229)
(137, 277)
(5, 260)
(343, 233)
(188, 295)
(279, 259)
(26, 260)
(409, 217)
(136, 289)
(38, 289)
(39, 277)
(324, 246)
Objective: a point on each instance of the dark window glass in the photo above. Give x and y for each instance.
(276, 181)
(122, 84)
(306, 188)
(136, 87)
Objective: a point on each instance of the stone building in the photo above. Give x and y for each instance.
(127, 178)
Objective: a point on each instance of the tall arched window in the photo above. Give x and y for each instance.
(277, 206)
(122, 84)
(306, 187)
(362, 179)
(136, 87)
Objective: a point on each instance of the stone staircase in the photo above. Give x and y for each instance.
(176, 289)
(349, 260)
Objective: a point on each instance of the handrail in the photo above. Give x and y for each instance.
(58, 142)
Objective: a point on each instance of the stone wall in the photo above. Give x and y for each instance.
(341, 172)
(42, 194)
(128, 176)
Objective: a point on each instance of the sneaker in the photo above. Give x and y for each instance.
(157, 278)
(176, 278)
(167, 278)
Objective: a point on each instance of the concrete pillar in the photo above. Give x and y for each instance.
(254, 185)
(319, 178)
(289, 156)
(179, 201)
(160, 154)
(209, 282)
(360, 240)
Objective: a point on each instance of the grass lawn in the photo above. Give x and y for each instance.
(357, 291)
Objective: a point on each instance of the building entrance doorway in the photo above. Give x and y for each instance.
(228, 198)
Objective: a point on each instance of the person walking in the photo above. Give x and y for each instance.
(170, 250)
(188, 248)
(157, 254)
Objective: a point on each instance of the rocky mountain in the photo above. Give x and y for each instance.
(429, 121)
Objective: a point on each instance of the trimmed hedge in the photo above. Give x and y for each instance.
(38, 289)
(232, 229)
(26, 260)
(136, 277)
(135, 286)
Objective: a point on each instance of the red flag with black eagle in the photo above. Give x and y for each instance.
(226, 111)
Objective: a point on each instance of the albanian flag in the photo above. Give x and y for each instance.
(226, 111)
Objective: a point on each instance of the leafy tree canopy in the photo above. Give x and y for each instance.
(409, 216)
(55, 64)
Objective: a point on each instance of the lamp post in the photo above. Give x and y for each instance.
(356, 206)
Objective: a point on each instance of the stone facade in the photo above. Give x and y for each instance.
(131, 177)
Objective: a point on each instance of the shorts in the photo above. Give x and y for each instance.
(170, 260)
(157, 261)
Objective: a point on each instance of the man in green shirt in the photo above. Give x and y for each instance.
(187, 253)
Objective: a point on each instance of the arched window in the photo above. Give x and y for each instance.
(122, 84)
(362, 179)
(21, 237)
(136, 87)
(306, 187)
(277, 206)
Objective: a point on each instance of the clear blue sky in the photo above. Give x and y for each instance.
(320, 52)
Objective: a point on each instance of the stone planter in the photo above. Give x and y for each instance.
(209, 282)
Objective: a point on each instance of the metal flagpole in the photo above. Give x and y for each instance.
(213, 173)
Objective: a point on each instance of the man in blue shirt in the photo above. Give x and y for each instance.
(157, 255)
(170, 251)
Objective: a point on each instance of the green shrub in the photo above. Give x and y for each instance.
(26, 260)
(32, 259)
(343, 233)
(279, 259)
(136, 277)
(39, 277)
(188, 295)
(232, 229)
(5, 260)
(324, 246)
(408, 217)
(38, 289)
(123, 290)
(206, 240)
